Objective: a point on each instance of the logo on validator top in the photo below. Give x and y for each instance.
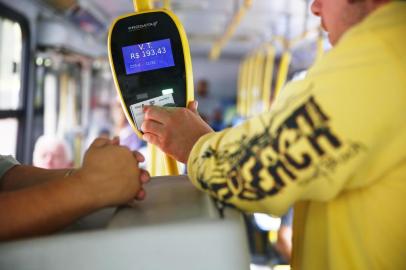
(142, 26)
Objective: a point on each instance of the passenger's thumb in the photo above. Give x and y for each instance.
(115, 140)
(193, 106)
(99, 142)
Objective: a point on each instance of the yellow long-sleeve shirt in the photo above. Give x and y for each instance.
(333, 144)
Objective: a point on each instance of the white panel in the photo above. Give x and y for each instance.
(175, 228)
(199, 23)
(113, 8)
(55, 33)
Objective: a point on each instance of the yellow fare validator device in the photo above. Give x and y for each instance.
(150, 61)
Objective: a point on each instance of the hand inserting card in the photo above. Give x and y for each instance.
(137, 109)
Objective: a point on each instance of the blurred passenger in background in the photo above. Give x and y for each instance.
(51, 152)
(209, 106)
(284, 237)
(122, 128)
(104, 133)
(217, 122)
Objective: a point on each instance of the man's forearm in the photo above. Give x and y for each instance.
(22, 176)
(44, 208)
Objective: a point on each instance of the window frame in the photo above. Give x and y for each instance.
(24, 100)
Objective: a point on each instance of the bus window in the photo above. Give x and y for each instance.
(10, 83)
(8, 143)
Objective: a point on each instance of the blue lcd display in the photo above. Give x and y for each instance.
(148, 56)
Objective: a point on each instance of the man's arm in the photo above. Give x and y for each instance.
(22, 176)
(44, 208)
(302, 149)
(109, 176)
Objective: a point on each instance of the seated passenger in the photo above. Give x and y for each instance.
(52, 153)
(36, 201)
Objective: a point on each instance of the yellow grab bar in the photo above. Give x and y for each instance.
(242, 93)
(152, 162)
(240, 85)
(143, 5)
(268, 76)
(244, 90)
(250, 86)
(283, 72)
(171, 165)
(160, 164)
(222, 41)
(167, 4)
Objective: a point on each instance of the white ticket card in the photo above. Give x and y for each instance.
(137, 109)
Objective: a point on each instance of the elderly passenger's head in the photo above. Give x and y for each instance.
(52, 153)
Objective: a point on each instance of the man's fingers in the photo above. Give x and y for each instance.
(138, 156)
(115, 141)
(99, 142)
(141, 195)
(152, 127)
(144, 176)
(157, 114)
(138, 197)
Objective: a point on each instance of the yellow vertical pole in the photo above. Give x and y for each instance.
(253, 90)
(268, 76)
(170, 164)
(143, 5)
(283, 72)
(243, 94)
(251, 63)
(72, 88)
(256, 106)
(167, 4)
(152, 162)
(247, 88)
(156, 166)
(240, 85)
(244, 90)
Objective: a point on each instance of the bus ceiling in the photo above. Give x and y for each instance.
(206, 22)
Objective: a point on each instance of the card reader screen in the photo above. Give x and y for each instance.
(148, 56)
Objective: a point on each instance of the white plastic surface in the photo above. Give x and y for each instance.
(175, 228)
